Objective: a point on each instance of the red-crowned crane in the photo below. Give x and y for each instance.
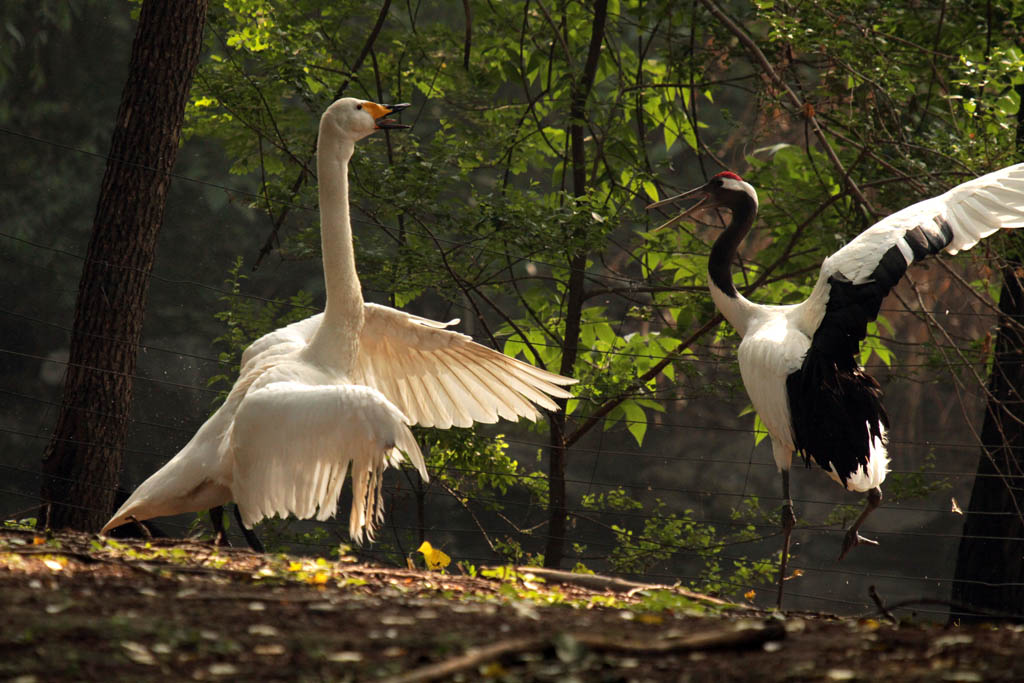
(798, 362)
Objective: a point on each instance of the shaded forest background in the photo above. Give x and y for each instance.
(516, 203)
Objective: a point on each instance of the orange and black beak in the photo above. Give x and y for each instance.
(380, 112)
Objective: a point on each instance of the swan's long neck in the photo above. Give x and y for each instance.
(343, 314)
(736, 309)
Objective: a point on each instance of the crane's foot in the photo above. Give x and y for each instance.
(874, 499)
(854, 539)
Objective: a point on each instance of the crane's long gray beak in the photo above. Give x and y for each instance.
(685, 195)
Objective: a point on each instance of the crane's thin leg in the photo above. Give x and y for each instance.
(874, 499)
(250, 536)
(788, 522)
(217, 522)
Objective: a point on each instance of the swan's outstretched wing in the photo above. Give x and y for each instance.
(440, 378)
(293, 443)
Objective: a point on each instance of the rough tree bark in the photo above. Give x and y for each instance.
(558, 512)
(82, 460)
(990, 562)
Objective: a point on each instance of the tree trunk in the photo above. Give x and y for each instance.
(557, 500)
(990, 562)
(82, 461)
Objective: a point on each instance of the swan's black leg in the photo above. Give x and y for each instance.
(217, 522)
(250, 536)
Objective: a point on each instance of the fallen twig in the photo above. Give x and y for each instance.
(881, 605)
(611, 583)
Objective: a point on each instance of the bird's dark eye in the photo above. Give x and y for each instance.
(717, 182)
(359, 106)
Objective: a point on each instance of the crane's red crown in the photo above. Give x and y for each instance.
(728, 174)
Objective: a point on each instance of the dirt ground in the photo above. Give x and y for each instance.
(76, 607)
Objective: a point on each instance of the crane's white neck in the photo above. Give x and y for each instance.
(343, 314)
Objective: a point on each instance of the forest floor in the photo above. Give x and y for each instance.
(76, 607)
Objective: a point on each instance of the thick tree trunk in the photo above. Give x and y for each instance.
(990, 562)
(82, 460)
(557, 499)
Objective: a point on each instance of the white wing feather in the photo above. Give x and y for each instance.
(292, 445)
(973, 210)
(283, 339)
(440, 378)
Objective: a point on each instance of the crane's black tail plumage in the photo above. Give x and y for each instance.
(835, 406)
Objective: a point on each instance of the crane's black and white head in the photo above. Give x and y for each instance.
(355, 119)
(725, 190)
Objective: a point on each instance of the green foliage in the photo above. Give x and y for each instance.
(663, 534)
(505, 202)
(247, 319)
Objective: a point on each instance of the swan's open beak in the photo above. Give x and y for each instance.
(701, 192)
(381, 111)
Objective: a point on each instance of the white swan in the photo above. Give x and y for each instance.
(338, 390)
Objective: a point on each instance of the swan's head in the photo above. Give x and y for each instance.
(355, 119)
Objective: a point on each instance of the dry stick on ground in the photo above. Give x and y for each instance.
(713, 639)
(873, 592)
(951, 604)
(599, 582)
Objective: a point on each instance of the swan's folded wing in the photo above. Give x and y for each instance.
(292, 445)
(441, 378)
(284, 338)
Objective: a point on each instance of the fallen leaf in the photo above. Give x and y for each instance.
(750, 594)
(138, 653)
(435, 559)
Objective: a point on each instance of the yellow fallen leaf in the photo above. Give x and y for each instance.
(750, 594)
(435, 559)
(53, 564)
(38, 540)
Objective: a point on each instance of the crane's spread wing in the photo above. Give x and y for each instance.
(856, 279)
(440, 378)
(836, 407)
(293, 443)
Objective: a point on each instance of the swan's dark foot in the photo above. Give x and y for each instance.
(220, 538)
(250, 535)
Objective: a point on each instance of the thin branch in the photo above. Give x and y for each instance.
(268, 244)
(802, 107)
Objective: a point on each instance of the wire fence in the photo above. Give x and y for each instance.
(919, 535)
